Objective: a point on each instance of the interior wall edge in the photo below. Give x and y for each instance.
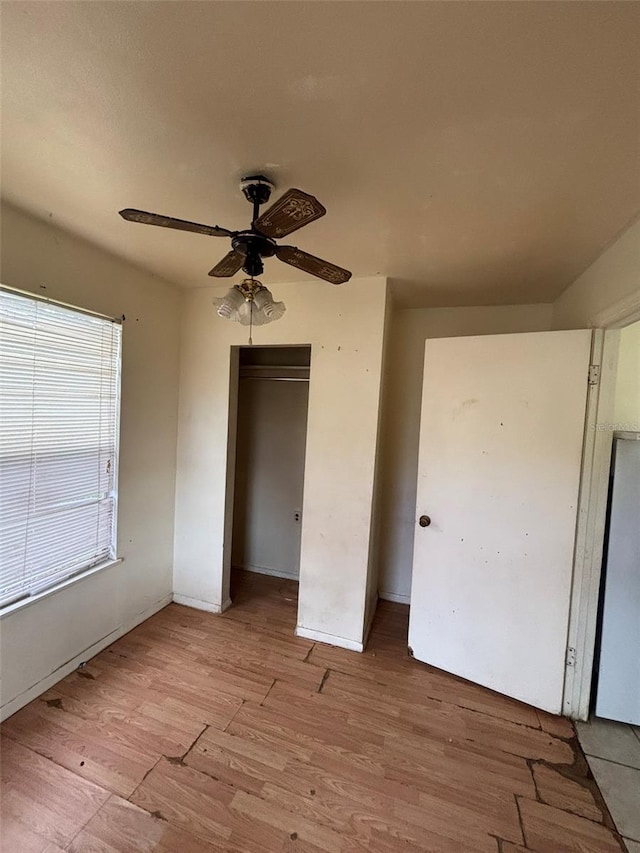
(375, 528)
(612, 279)
(369, 623)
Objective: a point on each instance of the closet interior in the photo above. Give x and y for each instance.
(273, 396)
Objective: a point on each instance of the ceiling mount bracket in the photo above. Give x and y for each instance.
(257, 189)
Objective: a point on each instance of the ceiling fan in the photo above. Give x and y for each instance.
(293, 210)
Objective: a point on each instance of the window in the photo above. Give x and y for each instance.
(59, 417)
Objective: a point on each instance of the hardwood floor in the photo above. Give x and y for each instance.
(201, 733)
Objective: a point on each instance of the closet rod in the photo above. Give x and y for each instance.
(276, 378)
(275, 366)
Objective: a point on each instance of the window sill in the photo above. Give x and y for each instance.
(33, 599)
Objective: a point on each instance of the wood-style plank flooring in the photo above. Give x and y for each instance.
(201, 733)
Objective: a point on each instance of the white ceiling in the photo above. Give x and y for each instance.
(475, 153)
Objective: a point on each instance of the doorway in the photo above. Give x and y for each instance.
(271, 432)
(611, 737)
(616, 678)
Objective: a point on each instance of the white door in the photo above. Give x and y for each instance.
(499, 467)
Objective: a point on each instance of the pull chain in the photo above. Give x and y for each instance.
(251, 315)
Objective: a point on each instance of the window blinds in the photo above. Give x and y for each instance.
(59, 412)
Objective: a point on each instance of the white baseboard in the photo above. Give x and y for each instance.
(262, 570)
(330, 639)
(199, 604)
(57, 675)
(394, 596)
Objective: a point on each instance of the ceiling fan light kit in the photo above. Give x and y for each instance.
(249, 302)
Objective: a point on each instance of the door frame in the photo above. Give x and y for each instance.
(232, 450)
(592, 506)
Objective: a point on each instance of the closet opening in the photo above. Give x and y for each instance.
(271, 434)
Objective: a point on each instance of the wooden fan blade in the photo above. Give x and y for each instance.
(293, 210)
(132, 215)
(311, 264)
(229, 265)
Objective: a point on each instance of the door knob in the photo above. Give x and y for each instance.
(424, 521)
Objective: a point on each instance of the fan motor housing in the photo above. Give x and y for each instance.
(250, 243)
(254, 247)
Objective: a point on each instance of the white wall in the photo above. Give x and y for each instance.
(613, 278)
(45, 640)
(627, 396)
(344, 326)
(272, 433)
(409, 329)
